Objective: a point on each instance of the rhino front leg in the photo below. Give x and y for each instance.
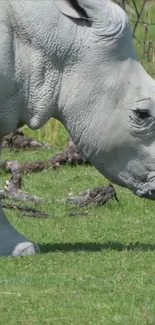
(11, 241)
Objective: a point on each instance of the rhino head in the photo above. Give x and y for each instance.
(110, 99)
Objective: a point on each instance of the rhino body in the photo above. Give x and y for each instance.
(75, 61)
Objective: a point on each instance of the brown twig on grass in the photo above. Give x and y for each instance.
(28, 211)
(18, 140)
(13, 189)
(70, 156)
(98, 196)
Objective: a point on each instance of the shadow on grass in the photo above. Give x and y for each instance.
(95, 247)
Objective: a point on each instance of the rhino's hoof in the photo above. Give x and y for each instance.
(26, 248)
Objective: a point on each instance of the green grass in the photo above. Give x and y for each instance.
(145, 33)
(95, 269)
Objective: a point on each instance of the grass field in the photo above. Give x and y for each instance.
(97, 269)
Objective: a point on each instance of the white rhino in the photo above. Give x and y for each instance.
(74, 60)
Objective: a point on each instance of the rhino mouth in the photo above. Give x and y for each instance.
(146, 194)
(144, 188)
(147, 189)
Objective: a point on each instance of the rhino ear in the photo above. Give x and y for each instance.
(85, 9)
(71, 8)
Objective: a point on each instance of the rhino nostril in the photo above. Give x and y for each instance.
(152, 193)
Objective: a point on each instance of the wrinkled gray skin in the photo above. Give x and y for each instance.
(79, 66)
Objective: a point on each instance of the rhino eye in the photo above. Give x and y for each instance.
(142, 114)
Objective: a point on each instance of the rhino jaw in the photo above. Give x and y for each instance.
(147, 190)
